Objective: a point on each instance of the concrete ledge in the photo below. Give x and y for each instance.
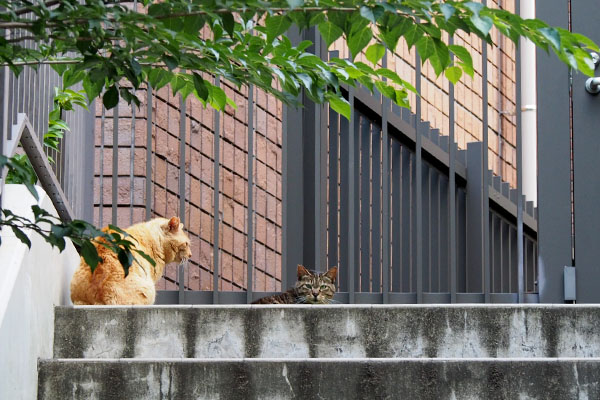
(320, 378)
(340, 331)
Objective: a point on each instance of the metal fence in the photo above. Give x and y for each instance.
(404, 214)
(32, 94)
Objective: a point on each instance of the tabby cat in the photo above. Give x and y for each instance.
(160, 238)
(311, 288)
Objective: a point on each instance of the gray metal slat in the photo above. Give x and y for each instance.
(250, 210)
(519, 162)
(345, 272)
(115, 164)
(425, 238)
(418, 234)
(461, 245)
(332, 203)
(434, 230)
(444, 266)
(353, 207)
(396, 210)
(385, 192)
(365, 204)
(485, 166)
(216, 206)
(376, 187)
(407, 218)
(181, 194)
(149, 181)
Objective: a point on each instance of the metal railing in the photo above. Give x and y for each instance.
(32, 94)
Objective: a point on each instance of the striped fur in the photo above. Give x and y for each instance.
(311, 288)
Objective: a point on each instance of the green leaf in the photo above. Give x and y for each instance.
(483, 24)
(330, 32)
(177, 83)
(447, 10)
(276, 26)
(146, 257)
(126, 259)
(217, 97)
(71, 77)
(92, 88)
(111, 97)
(90, 254)
(21, 236)
(228, 23)
(59, 68)
(413, 34)
(552, 36)
(375, 52)
(425, 47)
(371, 13)
(340, 105)
(295, 3)
(359, 40)
(464, 55)
(453, 74)
(200, 87)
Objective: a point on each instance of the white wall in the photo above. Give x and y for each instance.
(32, 282)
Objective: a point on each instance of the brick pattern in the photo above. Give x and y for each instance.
(468, 92)
(199, 185)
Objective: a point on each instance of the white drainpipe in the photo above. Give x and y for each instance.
(529, 109)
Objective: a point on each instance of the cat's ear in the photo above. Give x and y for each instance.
(302, 271)
(331, 273)
(172, 226)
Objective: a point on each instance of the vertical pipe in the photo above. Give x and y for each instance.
(452, 192)
(131, 163)
(351, 198)
(101, 183)
(418, 187)
(216, 210)
(332, 203)
(149, 181)
(385, 165)
(250, 213)
(182, 119)
(320, 173)
(115, 164)
(485, 165)
(519, 161)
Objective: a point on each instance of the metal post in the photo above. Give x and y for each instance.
(452, 193)
(554, 162)
(519, 162)
(149, 182)
(250, 212)
(216, 210)
(485, 165)
(115, 164)
(418, 257)
(182, 117)
(385, 189)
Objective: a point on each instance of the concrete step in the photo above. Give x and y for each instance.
(421, 379)
(332, 331)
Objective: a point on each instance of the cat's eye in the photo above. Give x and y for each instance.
(323, 287)
(308, 285)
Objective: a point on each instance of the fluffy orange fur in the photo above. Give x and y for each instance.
(160, 238)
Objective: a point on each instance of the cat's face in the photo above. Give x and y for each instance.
(178, 242)
(315, 288)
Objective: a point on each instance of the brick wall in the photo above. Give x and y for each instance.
(199, 182)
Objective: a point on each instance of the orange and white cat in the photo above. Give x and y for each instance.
(160, 238)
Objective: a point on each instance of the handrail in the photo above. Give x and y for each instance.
(23, 133)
